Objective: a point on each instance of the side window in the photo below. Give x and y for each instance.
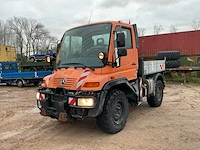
(12, 66)
(6, 67)
(127, 33)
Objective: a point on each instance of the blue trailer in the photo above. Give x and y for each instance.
(9, 74)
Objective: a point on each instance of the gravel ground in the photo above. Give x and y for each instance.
(175, 125)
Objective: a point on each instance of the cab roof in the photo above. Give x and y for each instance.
(100, 22)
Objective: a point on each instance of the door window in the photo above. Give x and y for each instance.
(127, 33)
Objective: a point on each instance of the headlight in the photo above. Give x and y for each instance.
(40, 96)
(86, 102)
(48, 59)
(101, 55)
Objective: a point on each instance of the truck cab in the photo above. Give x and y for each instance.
(98, 74)
(10, 74)
(8, 67)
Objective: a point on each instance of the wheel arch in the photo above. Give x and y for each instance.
(23, 82)
(32, 57)
(159, 76)
(155, 78)
(121, 84)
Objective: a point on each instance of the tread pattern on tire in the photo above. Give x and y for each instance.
(169, 55)
(152, 100)
(172, 63)
(103, 120)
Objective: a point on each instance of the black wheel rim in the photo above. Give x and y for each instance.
(118, 112)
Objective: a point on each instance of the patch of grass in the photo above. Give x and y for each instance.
(181, 80)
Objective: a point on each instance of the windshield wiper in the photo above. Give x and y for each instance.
(83, 66)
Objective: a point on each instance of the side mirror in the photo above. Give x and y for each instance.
(120, 39)
(54, 55)
(122, 52)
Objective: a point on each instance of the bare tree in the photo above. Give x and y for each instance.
(173, 29)
(141, 31)
(1, 32)
(49, 40)
(37, 32)
(7, 36)
(195, 25)
(31, 35)
(158, 29)
(16, 25)
(40, 37)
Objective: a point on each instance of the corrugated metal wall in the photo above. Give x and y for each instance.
(7, 53)
(188, 43)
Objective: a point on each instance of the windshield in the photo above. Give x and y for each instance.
(81, 46)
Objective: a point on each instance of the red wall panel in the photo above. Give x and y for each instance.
(188, 43)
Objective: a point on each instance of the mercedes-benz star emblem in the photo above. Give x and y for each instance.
(63, 81)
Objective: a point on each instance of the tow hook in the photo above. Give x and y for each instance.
(62, 117)
(43, 112)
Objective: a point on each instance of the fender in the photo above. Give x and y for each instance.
(157, 77)
(102, 94)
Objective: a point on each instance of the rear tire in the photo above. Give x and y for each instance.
(115, 112)
(156, 100)
(20, 83)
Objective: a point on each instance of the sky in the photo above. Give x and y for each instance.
(60, 15)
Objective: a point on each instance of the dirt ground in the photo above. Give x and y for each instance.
(175, 125)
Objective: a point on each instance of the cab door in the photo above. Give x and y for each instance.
(128, 64)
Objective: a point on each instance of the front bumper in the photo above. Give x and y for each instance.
(57, 103)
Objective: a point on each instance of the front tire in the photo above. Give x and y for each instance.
(115, 112)
(156, 100)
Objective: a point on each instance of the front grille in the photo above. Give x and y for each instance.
(69, 82)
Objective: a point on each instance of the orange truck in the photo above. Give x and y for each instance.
(99, 74)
